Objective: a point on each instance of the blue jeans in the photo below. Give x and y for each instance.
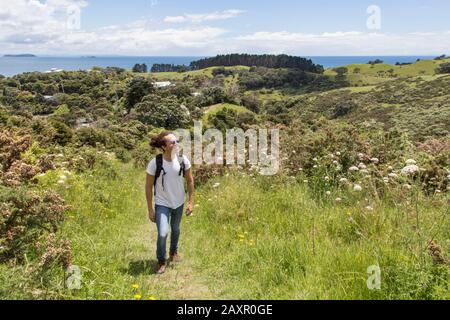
(163, 216)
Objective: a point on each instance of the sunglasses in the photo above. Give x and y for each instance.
(174, 142)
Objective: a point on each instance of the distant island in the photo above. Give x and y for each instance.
(26, 55)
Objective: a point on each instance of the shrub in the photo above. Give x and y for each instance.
(63, 133)
(25, 217)
(443, 68)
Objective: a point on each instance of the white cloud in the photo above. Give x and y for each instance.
(346, 43)
(40, 27)
(202, 17)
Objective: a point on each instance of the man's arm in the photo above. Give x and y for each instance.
(191, 190)
(149, 195)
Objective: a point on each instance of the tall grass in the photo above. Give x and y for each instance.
(261, 240)
(250, 238)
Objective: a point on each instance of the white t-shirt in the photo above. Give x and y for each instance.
(173, 193)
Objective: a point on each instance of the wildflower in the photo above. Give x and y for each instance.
(407, 187)
(410, 170)
(61, 181)
(360, 156)
(411, 162)
(438, 191)
(216, 185)
(365, 171)
(305, 181)
(137, 296)
(63, 177)
(386, 180)
(357, 188)
(135, 286)
(343, 180)
(369, 208)
(315, 167)
(338, 154)
(362, 166)
(390, 168)
(151, 298)
(392, 175)
(328, 193)
(327, 178)
(315, 160)
(338, 199)
(241, 236)
(354, 169)
(335, 162)
(375, 160)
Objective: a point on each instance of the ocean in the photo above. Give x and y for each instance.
(10, 66)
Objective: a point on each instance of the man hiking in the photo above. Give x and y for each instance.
(165, 176)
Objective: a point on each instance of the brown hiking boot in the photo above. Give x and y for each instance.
(161, 267)
(174, 257)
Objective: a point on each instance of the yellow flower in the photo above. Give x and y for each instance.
(137, 296)
(135, 286)
(151, 298)
(241, 236)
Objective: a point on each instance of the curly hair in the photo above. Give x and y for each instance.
(158, 142)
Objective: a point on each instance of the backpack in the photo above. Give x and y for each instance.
(160, 169)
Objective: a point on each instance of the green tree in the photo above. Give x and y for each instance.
(163, 112)
(63, 133)
(138, 88)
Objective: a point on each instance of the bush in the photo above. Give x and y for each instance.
(25, 217)
(63, 133)
(443, 68)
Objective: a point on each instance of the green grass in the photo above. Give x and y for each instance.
(177, 76)
(250, 238)
(371, 75)
(212, 110)
(305, 249)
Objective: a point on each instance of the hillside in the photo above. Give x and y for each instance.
(364, 182)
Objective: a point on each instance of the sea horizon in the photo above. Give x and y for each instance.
(10, 66)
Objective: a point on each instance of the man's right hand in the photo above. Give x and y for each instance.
(152, 215)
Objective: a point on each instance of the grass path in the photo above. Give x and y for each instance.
(115, 247)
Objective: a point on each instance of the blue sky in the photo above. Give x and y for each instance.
(206, 27)
(300, 16)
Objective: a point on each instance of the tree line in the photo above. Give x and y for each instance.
(253, 60)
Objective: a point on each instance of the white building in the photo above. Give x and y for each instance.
(163, 84)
